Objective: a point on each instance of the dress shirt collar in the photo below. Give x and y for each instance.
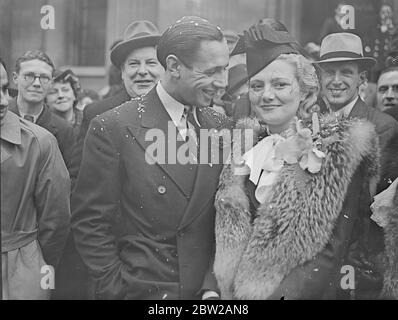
(174, 108)
(346, 110)
(35, 116)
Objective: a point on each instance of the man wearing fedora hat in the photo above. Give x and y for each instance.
(140, 69)
(145, 227)
(343, 69)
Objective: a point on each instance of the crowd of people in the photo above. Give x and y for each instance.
(306, 184)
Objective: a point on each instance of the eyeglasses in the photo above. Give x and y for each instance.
(31, 77)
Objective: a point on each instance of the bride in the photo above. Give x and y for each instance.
(288, 202)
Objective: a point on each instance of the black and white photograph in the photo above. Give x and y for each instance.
(217, 151)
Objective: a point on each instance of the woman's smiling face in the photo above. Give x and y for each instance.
(275, 94)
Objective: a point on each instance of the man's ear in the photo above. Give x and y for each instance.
(363, 77)
(15, 78)
(173, 65)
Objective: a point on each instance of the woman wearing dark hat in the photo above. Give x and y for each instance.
(283, 215)
(278, 37)
(63, 97)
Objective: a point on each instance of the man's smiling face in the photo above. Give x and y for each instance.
(340, 82)
(141, 71)
(387, 90)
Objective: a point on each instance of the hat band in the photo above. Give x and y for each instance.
(140, 34)
(341, 54)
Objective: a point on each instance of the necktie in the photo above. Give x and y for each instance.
(29, 118)
(189, 134)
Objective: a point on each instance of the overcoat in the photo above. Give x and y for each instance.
(145, 229)
(61, 129)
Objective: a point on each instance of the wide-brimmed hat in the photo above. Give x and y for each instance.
(343, 46)
(138, 34)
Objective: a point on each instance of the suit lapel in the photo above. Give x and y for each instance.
(359, 110)
(203, 191)
(154, 116)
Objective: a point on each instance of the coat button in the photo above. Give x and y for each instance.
(162, 189)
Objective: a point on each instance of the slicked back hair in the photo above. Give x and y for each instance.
(183, 39)
(33, 55)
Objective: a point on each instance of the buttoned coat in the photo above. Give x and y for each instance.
(89, 113)
(145, 231)
(35, 207)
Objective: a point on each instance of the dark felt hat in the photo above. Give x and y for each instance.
(138, 34)
(262, 45)
(237, 76)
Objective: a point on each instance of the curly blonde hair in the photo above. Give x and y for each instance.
(307, 79)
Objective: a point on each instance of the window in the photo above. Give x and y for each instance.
(86, 28)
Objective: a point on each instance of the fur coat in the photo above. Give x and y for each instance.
(255, 251)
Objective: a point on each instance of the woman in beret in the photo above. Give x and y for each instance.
(287, 203)
(63, 97)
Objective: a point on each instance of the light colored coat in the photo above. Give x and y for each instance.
(35, 209)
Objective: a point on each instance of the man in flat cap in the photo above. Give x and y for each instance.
(145, 226)
(140, 69)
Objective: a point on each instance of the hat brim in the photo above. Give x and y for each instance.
(239, 46)
(368, 62)
(121, 50)
(234, 85)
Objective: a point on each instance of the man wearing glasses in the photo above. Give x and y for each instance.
(33, 78)
(35, 206)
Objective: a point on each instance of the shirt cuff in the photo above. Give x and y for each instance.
(210, 294)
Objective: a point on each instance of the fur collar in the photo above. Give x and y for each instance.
(253, 257)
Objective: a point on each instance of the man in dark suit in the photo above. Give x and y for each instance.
(343, 69)
(33, 77)
(342, 74)
(140, 69)
(144, 226)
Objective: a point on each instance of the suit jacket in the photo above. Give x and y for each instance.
(386, 126)
(60, 128)
(90, 112)
(145, 231)
(368, 242)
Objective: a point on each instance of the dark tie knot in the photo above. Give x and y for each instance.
(29, 118)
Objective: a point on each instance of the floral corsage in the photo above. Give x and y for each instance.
(302, 148)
